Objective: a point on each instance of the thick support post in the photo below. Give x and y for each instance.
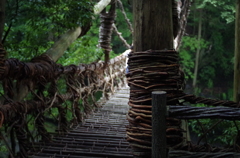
(153, 25)
(159, 144)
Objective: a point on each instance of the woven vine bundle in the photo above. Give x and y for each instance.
(152, 70)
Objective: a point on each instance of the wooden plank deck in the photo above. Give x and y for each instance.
(102, 135)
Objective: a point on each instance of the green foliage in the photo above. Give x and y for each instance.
(34, 25)
(216, 55)
(207, 75)
(215, 63)
(227, 8)
(187, 53)
(224, 133)
(33, 31)
(3, 150)
(83, 50)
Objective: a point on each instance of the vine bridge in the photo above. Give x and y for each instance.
(88, 110)
(103, 134)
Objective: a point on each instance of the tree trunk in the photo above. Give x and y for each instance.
(152, 25)
(236, 86)
(100, 6)
(153, 29)
(57, 50)
(194, 17)
(2, 17)
(198, 50)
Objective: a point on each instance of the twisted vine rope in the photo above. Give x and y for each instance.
(211, 102)
(186, 154)
(105, 30)
(120, 36)
(189, 112)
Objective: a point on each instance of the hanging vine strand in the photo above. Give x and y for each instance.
(105, 30)
(121, 37)
(125, 15)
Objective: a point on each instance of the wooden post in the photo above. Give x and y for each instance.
(159, 144)
(153, 28)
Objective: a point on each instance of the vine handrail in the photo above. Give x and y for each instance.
(80, 85)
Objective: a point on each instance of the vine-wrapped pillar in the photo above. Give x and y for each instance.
(153, 66)
(105, 30)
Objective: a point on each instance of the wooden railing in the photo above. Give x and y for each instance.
(159, 144)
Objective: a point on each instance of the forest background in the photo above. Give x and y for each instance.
(210, 34)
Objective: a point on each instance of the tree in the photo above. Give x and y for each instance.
(198, 49)
(45, 23)
(148, 15)
(153, 30)
(236, 85)
(216, 44)
(215, 65)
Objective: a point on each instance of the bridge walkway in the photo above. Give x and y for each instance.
(103, 135)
